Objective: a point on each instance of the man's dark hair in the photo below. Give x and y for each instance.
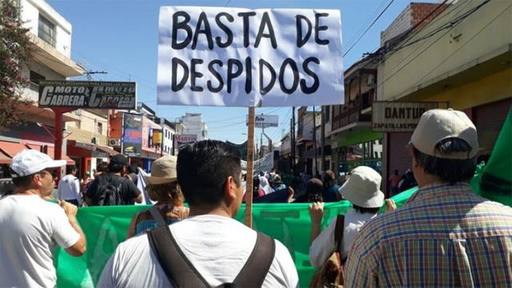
(329, 178)
(102, 167)
(22, 181)
(314, 189)
(71, 169)
(363, 210)
(203, 168)
(133, 169)
(117, 163)
(115, 168)
(449, 170)
(396, 171)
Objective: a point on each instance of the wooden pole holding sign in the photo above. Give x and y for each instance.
(250, 163)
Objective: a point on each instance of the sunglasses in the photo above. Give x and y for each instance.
(51, 172)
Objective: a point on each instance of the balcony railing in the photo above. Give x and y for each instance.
(352, 112)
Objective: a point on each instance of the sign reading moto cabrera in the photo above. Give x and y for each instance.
(219, 56)
(87, 94)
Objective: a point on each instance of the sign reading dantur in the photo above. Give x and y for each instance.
(239, 57)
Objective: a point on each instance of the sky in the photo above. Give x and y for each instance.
(120, 37)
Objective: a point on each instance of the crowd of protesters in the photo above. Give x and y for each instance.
(445, 236)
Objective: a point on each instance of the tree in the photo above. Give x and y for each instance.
(15, 48)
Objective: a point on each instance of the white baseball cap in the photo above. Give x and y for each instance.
(438, 124)
(29, 162)
(363, 188)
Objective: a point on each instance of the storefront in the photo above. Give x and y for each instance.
(87, 156)
(357, 146)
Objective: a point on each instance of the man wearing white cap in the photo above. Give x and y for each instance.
(362, 189)
(31, 227)
(445, 236)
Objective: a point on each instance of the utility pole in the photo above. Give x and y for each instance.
(314, 141)
(322, 137)
(292, 134)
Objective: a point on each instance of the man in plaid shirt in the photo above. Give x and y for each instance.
(446, 235)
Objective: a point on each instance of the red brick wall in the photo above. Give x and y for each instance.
(422, 10)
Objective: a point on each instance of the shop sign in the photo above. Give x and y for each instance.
(87, 94)
(185, 139)
(399, 116)
(264, 121)
(132, 135)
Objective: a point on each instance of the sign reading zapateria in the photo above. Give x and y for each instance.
(87, 94)
(399, 116)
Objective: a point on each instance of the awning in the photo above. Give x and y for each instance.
(107, 150)
(50, 152)
(79, 149)
(4, 159)
(11, 148)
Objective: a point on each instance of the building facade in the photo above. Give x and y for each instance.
(50, 59)
(467, 65)
(193, 124)
(351, 135)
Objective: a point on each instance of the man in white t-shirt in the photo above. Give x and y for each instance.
(69, 187)
(31, 226)
(215, 244)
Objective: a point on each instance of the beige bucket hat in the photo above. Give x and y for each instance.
(363, 188)
(163, 170)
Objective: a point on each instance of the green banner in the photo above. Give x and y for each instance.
(494, 180)
(106, 227)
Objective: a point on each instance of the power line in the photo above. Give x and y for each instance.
(458, 20)
(445, 26)
(465, 43)
(369, 27)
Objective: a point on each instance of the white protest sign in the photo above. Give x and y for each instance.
(217, 56)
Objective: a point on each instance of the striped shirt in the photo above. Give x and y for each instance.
(445, 236)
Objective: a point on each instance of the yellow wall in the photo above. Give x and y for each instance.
(480, 37)
(87, 127)
(494, 87)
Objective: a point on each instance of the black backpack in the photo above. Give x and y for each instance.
(107, 192)
(182, 274)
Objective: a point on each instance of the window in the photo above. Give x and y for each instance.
(100, 128)
(46, 30)
(35, 77)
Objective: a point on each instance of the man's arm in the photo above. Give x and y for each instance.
(67, 232)
(77, 249)
(316, 212)
(137, 195)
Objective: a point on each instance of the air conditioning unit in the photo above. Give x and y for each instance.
(113, 142)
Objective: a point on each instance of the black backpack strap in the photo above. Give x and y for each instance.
(179, 270)
(181, 273)
(338, 233)
(256, 268)
(157, 216)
